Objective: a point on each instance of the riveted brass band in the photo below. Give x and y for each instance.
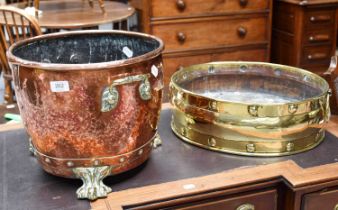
(267, 148)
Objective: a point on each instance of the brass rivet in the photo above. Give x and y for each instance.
(190, 121)
(243, 68)
(293, 108)
(70, 164)
(253, 110)
(122, 159)
(140, 152)
(47, 160)
(250, 148)
(278, 72)
(213, 105)
(184, 131)
(96, 162)
(318, 136)
(212, 142)
(211, 70)
(290, 147)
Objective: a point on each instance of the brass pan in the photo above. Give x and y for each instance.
(249, 108)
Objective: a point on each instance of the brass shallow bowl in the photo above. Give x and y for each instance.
(249, 108)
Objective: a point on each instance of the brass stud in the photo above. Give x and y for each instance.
(184, 131)
(292, 108)
(190, 121)
(250, 148)
(243, 68)
(96, 162)
(318, 136)
(212, 142)
(278, 72)
(213, 105)
(70, 164)
(290, 147)
(140, 152)
(253, 110)
(122, 159)
(211, 70)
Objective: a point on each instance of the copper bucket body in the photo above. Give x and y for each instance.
(90, 101)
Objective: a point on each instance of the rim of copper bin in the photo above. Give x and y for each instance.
(83, 66)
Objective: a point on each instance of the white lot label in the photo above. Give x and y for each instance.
(189, 186)
(59, 86)
(127, 52)
(154, 70)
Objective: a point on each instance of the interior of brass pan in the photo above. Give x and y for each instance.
(249, 108)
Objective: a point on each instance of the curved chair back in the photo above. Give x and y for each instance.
(15, 25)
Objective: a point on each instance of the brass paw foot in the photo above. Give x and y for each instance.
(31, 147)
(157, 141)
(93, 187)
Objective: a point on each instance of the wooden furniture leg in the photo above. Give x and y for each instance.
(8, 94)
(37, 6)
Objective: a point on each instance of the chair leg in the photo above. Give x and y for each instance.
(91, 4)
(8, 95)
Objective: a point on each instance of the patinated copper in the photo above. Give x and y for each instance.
(68, 128)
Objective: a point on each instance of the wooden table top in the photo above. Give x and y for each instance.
(76, 14)
(161, 177)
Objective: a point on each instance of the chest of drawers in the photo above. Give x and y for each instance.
(304, 33)
(197, 31)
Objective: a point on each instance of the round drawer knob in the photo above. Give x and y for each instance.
(246, 207)
(336, 207)
(241, 31)
(180, 4)
(243, 3)
(181, 37)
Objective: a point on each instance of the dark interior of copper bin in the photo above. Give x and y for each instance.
(86, 48)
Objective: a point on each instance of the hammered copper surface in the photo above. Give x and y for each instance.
(69, 126)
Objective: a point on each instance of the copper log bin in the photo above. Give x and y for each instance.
(249, 108)
(90, 101)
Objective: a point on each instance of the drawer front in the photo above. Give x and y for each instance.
(212, 33)
(319, 18)
(258, 201)
(174, 63)
(284, 17)
(313, 37)
(321, 200)
(172, 8)
(317, 55)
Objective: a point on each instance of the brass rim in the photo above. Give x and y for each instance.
(204, 67)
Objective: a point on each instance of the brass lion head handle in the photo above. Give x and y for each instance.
(110, 95)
